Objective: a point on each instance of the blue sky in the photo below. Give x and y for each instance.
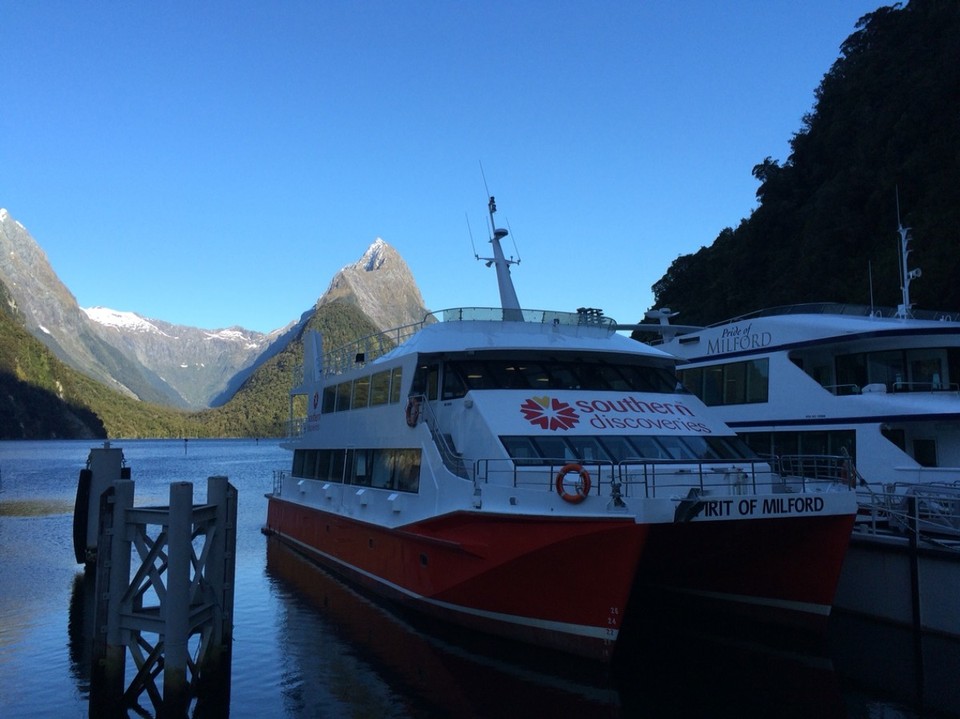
(215, 163)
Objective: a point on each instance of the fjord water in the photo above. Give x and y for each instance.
(308, 645)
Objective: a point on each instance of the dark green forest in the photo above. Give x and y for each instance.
(885, 122)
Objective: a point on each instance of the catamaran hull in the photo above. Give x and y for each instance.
(782, 571)
(556, 582)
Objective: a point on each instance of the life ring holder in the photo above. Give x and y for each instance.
(581, 488)
(412, 412)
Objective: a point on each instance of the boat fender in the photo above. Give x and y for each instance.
(413, 411)
(581, 487)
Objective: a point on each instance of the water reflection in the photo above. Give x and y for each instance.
(345, 653)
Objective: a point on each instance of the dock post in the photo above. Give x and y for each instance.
(176, 688)
(110, 636)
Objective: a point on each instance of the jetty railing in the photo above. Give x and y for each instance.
(930, 513)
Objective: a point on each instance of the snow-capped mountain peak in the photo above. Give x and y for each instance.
(129, 321)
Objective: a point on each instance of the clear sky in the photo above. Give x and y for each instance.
(215, 163)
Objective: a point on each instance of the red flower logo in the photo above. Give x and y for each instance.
(549, 413)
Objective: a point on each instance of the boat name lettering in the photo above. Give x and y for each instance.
(767, 505)
(630, 404)
(734, 339)
(602, 421)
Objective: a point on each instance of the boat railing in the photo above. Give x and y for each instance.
(664, 478)
(817, 467)
(838, 308)
(933, 386)
(452, 459)
(278, 476)
(927, 512)
(372, 346)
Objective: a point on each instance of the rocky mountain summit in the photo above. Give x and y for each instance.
(381, 284)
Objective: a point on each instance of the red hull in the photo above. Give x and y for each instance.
(781, 570)
(556, 582)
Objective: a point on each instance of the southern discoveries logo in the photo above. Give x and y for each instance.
(549, 413)
(553, 414)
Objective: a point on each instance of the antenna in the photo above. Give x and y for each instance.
(470, 232)
(906, 275)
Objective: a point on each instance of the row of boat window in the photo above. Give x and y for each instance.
(527, 450)
(807, 442)
(461, 376)
(731, 383)
(912, 370)
(367, 391)
(394, 469)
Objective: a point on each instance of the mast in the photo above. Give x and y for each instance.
(906, 275)
(508, 295)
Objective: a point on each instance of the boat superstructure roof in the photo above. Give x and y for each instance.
(820, 320)
(472, 329)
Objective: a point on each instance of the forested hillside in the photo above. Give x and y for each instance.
(42, 398)
(886, 118)
(260, 408)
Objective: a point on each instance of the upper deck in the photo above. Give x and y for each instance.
(472, 328)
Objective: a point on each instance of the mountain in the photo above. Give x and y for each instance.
(42, 397)
(883, 140)
(381, 285)
(200, 365)
(147, 359)
(51, 314)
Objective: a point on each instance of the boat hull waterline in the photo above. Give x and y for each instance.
(566, 582)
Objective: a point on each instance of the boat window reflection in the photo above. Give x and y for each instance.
(393, 469)
(731, 383)
(536, 450)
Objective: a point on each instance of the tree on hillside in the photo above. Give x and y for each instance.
(884, 121)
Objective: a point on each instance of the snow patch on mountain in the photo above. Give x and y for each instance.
(129, 321)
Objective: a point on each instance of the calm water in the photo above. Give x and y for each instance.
(306, 645)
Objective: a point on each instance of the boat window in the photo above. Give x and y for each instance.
(618, 448)
(380, 388)
(588, 449)
(361, 392)
(925, 452)
(701, 448)
(407, 468)
(730, 447)
(343, 396)
(731, 383)
(329, 398)
(521, 449)
(395, 377)
(649, 448)
(453, 384)
(555, 449)
(394, 469)
(426, 380)
(382, 474)
(337, 459)
(362, 467)
(833, 443)
(886, 368)
(541, 374)
(536, 450)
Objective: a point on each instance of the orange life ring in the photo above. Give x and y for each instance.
(412, 412)
(582, 487)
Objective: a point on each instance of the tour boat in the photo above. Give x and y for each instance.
(880, 385)
(526, 473)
